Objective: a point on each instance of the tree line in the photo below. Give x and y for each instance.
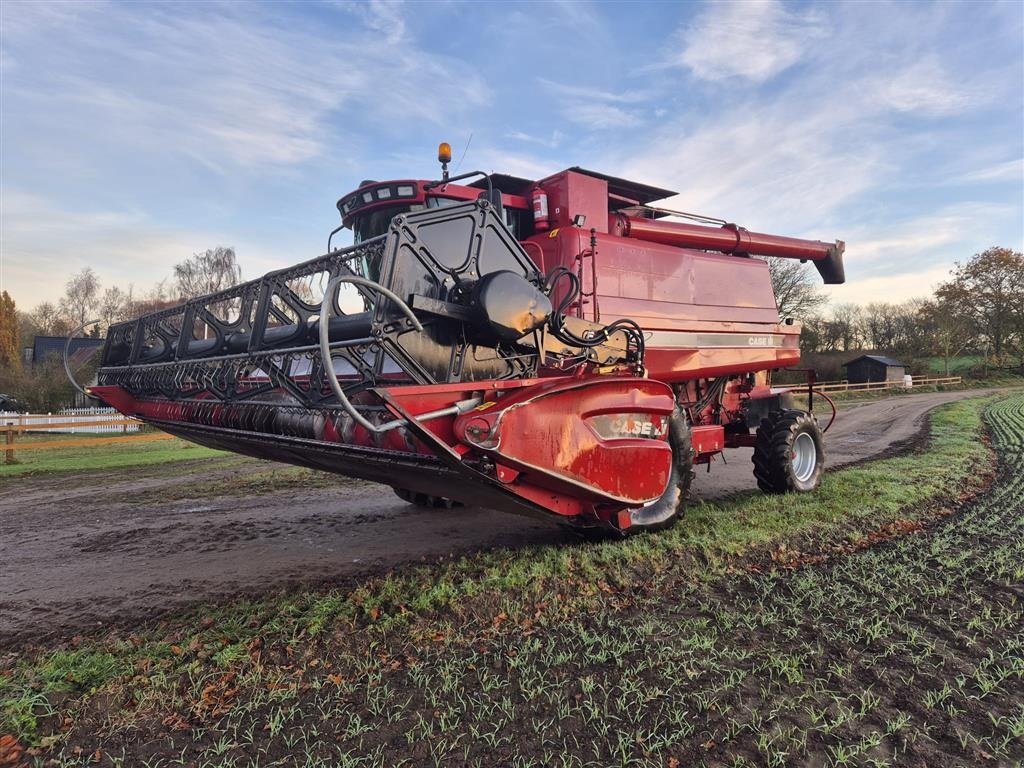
(978, 309)
(85, 298)
(43, 385)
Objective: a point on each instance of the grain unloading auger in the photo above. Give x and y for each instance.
(554, 347)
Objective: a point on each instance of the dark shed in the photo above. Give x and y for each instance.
(870, 368)
(81, 349)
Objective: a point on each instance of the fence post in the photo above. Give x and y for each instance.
(9, 445)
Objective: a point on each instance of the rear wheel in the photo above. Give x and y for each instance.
(789, 454)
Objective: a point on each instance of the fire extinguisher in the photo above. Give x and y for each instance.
(540, 209)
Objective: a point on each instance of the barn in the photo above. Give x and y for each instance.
(81, 349)
(870, 368)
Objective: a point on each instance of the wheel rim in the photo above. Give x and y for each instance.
(805, 457)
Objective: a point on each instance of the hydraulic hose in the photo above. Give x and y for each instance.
(325, 355)
(834, 410)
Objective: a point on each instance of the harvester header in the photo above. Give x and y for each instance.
(554, 347)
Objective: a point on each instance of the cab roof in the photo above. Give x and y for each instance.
(633, 190)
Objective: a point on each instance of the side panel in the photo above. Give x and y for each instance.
(603, 439)
(570, 193)
(706, 314)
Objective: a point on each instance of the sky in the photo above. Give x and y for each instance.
(135, 134)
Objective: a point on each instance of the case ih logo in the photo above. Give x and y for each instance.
(620, 425)
(759, 341)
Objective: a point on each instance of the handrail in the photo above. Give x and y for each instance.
(67, 348)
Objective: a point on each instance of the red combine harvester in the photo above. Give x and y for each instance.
(554, 347)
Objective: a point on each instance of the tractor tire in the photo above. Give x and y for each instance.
(425, 500)
(664, 511)
(789, 454)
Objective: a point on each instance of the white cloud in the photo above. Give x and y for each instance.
(232, 86)
(891, 288)
(924, 88)
(926, 238)
(595, 108)
(582, 93)
(828, 153)
(30, 16)
(601, 116)
(383, 16)
(551, 142)
(1011, 170)
(760, 167)
(749, 39)
(898, 250)
(43, 244)
(497, 160)
(908, 258)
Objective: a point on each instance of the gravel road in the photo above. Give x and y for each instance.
(79, 551)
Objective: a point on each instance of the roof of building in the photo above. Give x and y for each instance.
(48, 346)
(888, 361)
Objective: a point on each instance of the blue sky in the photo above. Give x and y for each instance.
(134, 134)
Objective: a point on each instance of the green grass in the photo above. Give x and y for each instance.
(957, 365)
(822, 629)
(98, 457)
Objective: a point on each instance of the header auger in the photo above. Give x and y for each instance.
(555, 347)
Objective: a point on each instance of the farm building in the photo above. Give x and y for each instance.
(81, 350)
(870, 368)
(45, 347)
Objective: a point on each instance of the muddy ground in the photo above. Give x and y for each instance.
(83, 550)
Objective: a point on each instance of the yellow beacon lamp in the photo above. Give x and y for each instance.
(444, 156)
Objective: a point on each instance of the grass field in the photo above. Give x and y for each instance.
(98, 457)
(957, 365)
(877, 622)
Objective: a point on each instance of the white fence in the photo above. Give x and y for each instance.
(907, 382)
(109, 420)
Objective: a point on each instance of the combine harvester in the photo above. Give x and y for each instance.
(553, 347)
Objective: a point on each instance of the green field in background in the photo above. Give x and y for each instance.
(86, 457)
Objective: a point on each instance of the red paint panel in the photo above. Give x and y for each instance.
(570, 193)
(543, 432)
(709, 439)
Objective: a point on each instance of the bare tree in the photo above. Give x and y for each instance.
(797, 291)
(156, 298)
(81, 297)
(878, 323)
(949, 333)
(811, 330)
(44, 318)
(895, 327)
(917, 337)
(208, 272)
(115, 305)
(846, 326)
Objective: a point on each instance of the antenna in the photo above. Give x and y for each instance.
(464, 151)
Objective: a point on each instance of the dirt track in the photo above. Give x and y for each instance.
(82, 550)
